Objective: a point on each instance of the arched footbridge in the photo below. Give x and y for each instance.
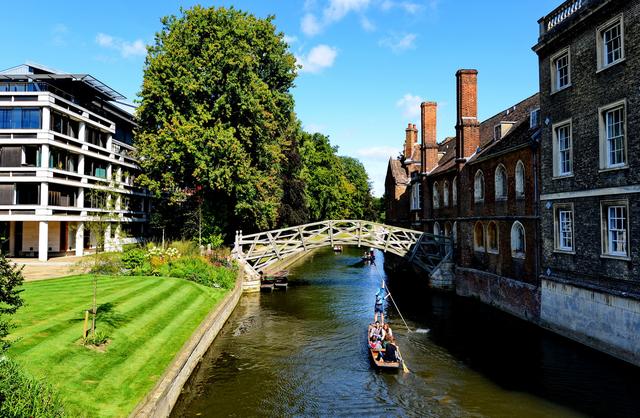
(257, 252)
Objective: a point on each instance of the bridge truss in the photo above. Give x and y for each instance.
(259, 251)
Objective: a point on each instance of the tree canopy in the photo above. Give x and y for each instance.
(218, 134)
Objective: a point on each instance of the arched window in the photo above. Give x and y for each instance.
(492, 237)
(454, 191)
(517, 240)
(445, 194)
(478, 237)
(501, 182)
(436, 196)
(436, 229)
(454, 233)
(520, 179)
(478, 187)
(447, 229)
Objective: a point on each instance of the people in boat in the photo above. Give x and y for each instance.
(390, 353)
(387, 330)
(381, 296)
(376, 331)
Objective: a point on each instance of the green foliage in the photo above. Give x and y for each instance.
(215, 104)
(24, 396)
(96, 339)
(199, 270)
(133, 259)
(10, 288)
(186, 248)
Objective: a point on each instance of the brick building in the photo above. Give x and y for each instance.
(590, 168)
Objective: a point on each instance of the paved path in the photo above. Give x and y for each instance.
(55, 267)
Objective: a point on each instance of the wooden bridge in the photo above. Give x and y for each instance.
(256, 252)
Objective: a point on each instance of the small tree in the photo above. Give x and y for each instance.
(105, 217)
(10, 282)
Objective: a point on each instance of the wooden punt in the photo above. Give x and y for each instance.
(280, 279)
(381, 364)
(267, 284)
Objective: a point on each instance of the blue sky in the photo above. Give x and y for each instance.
(367, 64)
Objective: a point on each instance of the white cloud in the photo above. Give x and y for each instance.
(310, 25)
(383, 153)
(399, 43)
(290, 39)
(367, 25)
(319, 58)
(410, 105)
(408, 6)
(337, 9)
(125, 48)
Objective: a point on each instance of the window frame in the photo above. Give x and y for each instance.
(435, 195)
(416, 203)
(605, 205)
(557, 224)
(600, 44)
(454, 191)
(604, 140)
(556, 151)
(478, 197)
(515, 253)
(519, 180)
(445, 194)
(535, 111)
(554, 70)
(505, 183)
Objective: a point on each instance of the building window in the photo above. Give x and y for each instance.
(520, 180)
(478, 237)
(436, 196)
(517, 240)
(560, 71)
(478, 187)
(563, 226)
(64, 125)
(534, 118)
(20, 118)
(454, 232)
(497, 132)
(613, 141)
(610, 43)
(501, 183)
(447, 229)
(445, 192)
(454, 191)
(436, 229)
(562, 150)
(492, 238)
(416, 196)
(615, 229)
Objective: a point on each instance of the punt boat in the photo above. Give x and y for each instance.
(381, 364)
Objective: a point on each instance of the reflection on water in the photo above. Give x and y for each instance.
(302, 352)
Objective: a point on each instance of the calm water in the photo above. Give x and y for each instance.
(301, 352)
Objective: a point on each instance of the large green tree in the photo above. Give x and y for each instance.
(10, 300)
(214, 115)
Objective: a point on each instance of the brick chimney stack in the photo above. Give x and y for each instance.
(467, 125)
(411, 139)
(429, 139)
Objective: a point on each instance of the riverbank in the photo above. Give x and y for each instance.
(147, 319)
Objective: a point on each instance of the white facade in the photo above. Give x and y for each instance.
(64, 149)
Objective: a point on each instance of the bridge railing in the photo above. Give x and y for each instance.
(260, 250)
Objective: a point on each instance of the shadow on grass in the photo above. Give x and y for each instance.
(107, 315)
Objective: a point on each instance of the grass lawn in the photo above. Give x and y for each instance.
(147, 319)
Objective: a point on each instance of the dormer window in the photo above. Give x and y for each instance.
(534, 119)
(497, 132)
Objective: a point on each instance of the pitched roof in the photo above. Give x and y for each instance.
(398, 172)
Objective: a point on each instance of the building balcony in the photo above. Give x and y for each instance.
(564, 16)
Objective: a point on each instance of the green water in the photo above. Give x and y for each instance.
(301, 352)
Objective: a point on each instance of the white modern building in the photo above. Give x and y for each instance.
(65, 161)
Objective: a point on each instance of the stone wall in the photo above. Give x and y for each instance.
(612, 325)
(513, 296)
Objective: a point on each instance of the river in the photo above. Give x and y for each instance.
(301, 352)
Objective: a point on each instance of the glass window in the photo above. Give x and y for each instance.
(614, 129)
(562, 71)
(563, 139)
(446, 194)
(436, 196)
(478, 236)
(492, 237)
(501, 182)
(20, 118)
(612, 42)
(478, 190)
(616, 230)
(564, 228)
(520, 179)
(454, 191)
(517, 240)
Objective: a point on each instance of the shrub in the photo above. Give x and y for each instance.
(186, 248)
(134, 259)
(96, 339)
(198, 270)
(24, 396)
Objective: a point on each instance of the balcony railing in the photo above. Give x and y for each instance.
(561, 14)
